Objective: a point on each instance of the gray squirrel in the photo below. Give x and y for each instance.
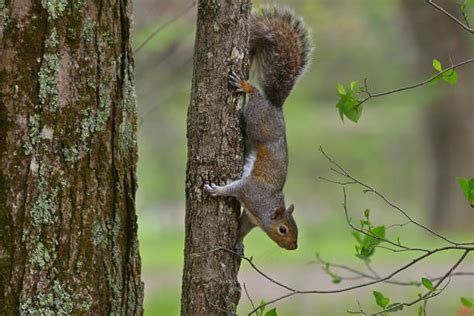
(279, 49)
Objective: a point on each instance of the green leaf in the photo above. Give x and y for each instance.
(367, 213)
(395, 307)
(437, 65)
(368, 243)
(348, 105)
(233, 306)
(357, 236)
(468, 302)
(427, 284)
(354, 110)
(340, 106)
(336, 279)
(340, 89)
(451, 77)
(334, 276)
(380, 299)
(262, 309)
(353, 85)
(379, 231)
(467, 188)
(420, 310)
(272, 312)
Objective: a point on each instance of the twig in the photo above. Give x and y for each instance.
(432, 293)
(161, 27)
(452, 17)
(367, 188)
(413, 86)
(248, 296)
(368, 233)
(361, 274)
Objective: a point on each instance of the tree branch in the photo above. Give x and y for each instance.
(367, 188)
(163, 26)
(452, 17)
(413, 86)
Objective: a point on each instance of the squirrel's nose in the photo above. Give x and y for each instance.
(292, 246)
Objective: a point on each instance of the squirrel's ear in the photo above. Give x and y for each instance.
(291, 208)
(278, 212)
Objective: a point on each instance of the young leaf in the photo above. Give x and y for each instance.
(348, 105)
(367, 213)
(262, 309)
(451, 77)
(354, 110)
(233, 306)
(437, 65)
(353, 85)
(467, 188)
(340, 89)
(379, 231)
(380, 299)
(272, 312)
(357, 236)
(420, 310)
(468, 302)
(427, 283)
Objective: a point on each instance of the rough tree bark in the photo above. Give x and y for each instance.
(68, 233)
(215, 154)
(449, 120)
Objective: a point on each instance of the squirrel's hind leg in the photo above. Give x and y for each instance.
(245, 226)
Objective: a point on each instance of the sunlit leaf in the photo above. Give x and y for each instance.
(468, 302)
(437, 65)
(427, 283)
(380, 299)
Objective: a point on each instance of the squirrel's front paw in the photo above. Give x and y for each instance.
(211, 189)
(235, 80)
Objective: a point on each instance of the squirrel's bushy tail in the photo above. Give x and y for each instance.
(279, 50)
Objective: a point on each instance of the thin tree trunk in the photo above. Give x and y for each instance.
(68, 233)
(215, 154)
(449, 120)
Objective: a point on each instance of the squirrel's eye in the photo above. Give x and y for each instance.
(282, 230)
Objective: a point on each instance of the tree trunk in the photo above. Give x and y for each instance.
(449, 120)
(68, 233)
(215, 154)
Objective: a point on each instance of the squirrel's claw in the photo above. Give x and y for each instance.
(235, 80)
(211, 189)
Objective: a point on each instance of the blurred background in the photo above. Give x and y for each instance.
(410, 146)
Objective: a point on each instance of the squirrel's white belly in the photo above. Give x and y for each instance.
(249, 162)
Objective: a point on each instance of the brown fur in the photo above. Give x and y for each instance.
(280, 48)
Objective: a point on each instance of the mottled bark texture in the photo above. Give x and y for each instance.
(449, 120)
(68, 233)
(215, 154)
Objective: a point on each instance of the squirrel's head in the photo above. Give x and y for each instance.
(283, 228)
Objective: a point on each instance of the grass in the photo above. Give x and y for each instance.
(162, 258)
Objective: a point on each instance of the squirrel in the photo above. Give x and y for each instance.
(279, 47)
